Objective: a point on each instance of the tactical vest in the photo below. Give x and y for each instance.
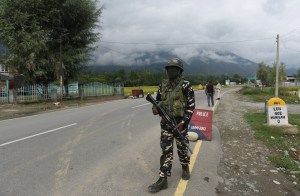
(173, 100)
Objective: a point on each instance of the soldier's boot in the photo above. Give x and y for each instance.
(185, 172)
(162, 183)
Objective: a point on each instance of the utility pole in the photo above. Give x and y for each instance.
(277, 66)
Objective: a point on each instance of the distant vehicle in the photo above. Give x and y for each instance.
(137, 93)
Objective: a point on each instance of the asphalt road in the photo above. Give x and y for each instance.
(110, 148)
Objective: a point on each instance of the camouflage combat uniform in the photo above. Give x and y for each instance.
(182, 91)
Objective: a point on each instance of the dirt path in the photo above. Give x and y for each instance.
(244, 167)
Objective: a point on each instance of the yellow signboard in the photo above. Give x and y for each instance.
(200, 87)
(275, 102)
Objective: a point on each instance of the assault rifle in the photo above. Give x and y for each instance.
(171, 123)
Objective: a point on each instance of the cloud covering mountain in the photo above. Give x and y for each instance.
(183, 27)
(202, 62)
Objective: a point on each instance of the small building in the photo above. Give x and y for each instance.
(6, 84)
(5, 76)
(290, 79)
(3, 69)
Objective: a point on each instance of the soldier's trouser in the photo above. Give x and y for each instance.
(166, 144)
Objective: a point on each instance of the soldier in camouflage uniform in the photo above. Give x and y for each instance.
(176, 96)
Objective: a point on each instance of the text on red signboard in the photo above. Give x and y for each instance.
(194, 127)
(200, 113)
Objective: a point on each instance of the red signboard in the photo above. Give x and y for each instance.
(201, 123)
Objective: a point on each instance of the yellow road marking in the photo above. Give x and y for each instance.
(183, 183)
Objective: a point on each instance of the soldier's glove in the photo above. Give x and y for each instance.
(180, 126)
(154, 110)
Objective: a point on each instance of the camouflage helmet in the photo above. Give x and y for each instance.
(175, 62)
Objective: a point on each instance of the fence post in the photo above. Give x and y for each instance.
(7, 91)
(54, 94)
(15, 96)
(81, 92)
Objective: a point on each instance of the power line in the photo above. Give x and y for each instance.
(285, 35)
(287, 48)
(191, 43)
(107, 48)
(271, 52)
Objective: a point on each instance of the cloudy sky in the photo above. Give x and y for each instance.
(245, 27)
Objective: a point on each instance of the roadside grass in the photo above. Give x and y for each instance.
(146, 89)
(288, 94)
(281, 143)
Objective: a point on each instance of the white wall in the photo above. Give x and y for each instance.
(2, 68)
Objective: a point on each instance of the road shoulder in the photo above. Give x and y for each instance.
(244, 168)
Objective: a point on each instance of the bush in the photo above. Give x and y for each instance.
(288, 94)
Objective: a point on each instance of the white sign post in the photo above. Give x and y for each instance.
(277, 112)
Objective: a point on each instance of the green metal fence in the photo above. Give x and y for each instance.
(100, 89)
(52, 92)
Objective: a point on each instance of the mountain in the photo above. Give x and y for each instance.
(291, 71)
(203, 63)
(222, 63)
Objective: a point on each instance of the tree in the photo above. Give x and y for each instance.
(237, 78)
(263, 73)
(281, 72)
(79, 20)
(121, 76)
(46, 39)
(267, 74)
(134, 77)
(298, 74)
(21, 33)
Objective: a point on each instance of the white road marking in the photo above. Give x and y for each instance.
(21, 139)
(140, 105)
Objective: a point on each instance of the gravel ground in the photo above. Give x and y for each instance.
(244, 167)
